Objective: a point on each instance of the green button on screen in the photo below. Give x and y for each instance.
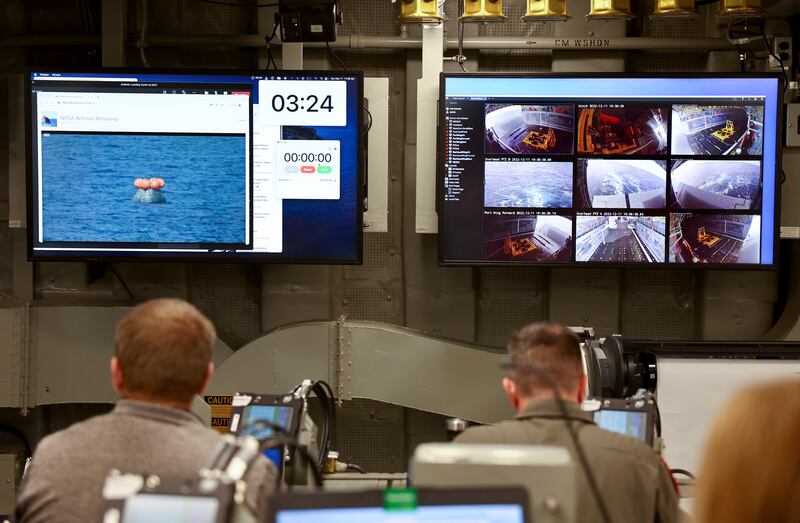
(324, 169)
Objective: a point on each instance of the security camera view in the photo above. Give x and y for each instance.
(622, 129)
(620, 239)
(717, 129)
(622, 184)
(716, 184)
(529, 129)
(528, 184)
(714, 238)
(527, 237)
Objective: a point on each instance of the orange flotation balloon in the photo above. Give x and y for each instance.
(141, 183)
(156, 183)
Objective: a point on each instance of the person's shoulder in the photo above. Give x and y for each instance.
(628, 445)
(497, 433)
(74, 436)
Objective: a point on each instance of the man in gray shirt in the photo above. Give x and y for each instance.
(162, 359)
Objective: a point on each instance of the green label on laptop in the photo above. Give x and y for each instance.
(400, 499)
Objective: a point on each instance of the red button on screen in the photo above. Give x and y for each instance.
(307, 169)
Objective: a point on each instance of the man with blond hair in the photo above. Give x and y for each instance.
(162, 359)
(545, 367)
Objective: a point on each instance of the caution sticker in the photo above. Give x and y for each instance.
(221, 409)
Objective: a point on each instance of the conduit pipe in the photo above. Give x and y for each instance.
(390, 42)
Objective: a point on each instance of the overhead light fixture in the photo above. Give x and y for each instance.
(610, 10)
(740, 9)
(546, 11)
(674, 9)
(419, 12)
(483, 11)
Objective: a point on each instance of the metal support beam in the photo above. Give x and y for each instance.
(427, 114)
(114, 32)
(292, 57)
(376, 92)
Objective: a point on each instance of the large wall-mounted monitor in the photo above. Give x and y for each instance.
(151, 164)
(609, 170)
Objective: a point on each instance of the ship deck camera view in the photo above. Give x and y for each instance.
(160, 164)
(609, 170)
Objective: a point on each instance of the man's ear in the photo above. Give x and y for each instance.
(116, 376)
(583, 383)
(209, 372)
(510, 389)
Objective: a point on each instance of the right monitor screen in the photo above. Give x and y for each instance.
(670, 171)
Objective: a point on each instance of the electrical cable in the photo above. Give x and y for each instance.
(658, 416)
(270, 56)
(584, 461)
(125, 285)
(335, 56)
(275, 441)
(683, 472)
(280, 437)
(325, 394)
(776, 57)
(353, 466)
(143, 34)
(461, 58)
(368, 126)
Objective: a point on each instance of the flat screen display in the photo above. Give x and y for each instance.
(674, 171)
(424, 514)
(260, 167)
(161, 508)
(629, 422)
(276, 415)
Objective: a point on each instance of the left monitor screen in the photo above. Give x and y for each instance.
(260, 166)
(130, 165)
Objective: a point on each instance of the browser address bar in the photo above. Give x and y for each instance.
(84, 79)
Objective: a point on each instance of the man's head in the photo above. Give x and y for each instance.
(552, 349)
(162, 353)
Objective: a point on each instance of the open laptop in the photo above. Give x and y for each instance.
(487, 505)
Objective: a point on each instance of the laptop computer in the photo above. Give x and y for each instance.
(488, 505)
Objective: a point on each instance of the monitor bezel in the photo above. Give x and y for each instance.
(205, 257)
(440, 139)
(426, 496)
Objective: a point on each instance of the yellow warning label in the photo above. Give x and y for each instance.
(219, 400)
(221, 410)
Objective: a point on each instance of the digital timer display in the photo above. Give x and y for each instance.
(309, 169)
(294, 103)
(304, 102)
(307, 157)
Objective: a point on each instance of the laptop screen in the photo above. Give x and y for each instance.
(158, 508)
(438, 514)
(424, 505)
